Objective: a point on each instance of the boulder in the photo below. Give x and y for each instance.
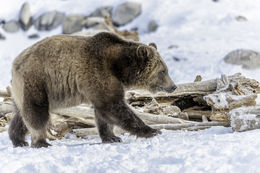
(49, 20)
(241, 18)
(93, 21)
(25, 17)
(152, 26)
(33, 36)
(102, 12)
(98, 23)
(105, 24)
(126, 12)
(249, 59)
(73, 23)
(2, 22)
(2, 37)
(11, 26)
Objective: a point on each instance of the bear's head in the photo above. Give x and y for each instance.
(141, 66)
(155, 76)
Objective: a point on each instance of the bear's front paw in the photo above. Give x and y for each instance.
(20, 144)
(40, 144)
(111, 139)
(147, 132)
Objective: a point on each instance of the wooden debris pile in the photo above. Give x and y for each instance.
(192, 106)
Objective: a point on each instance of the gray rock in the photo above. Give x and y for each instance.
(2, 37)
(33, 36)
(93, 21)
(173, 46)
(152, 26)
(125, 13)
(49, 20)
(25, 17)
(11, 26)
(241, 18)
(97, 23)
(102, 12)
(249, 59)
(72, 24)
(2, 22)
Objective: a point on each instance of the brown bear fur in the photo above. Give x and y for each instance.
(63, 71)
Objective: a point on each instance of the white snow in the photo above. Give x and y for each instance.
(204, 32)
(214, 150)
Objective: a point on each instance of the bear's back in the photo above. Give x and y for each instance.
(50, 50)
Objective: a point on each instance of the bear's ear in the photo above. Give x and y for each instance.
(153, 45)
(143, 51)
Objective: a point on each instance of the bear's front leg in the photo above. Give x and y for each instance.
(105, 130)
(118, 113)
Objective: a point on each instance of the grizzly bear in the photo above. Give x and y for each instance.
(63, 71)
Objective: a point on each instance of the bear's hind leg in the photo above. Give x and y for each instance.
(36, 118)
(105, 130)
(17, 130)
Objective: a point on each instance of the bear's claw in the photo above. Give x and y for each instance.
(111, 139)
(40, 144)
(148, 132)
(20, 144)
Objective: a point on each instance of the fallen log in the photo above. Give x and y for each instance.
(6, 107)
(82, 111)
(3, 129)
(244, 119)
(88, 113)
(225, 101)
(189, 126)
(191, 94)
(4, 94)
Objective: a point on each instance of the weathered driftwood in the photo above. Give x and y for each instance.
(6, 107)
(4, 93)
(3, 129)
(64, 120)
(243, 119)
(187, 126)
(78, 111)
(88, 113)
(226, 101)
(196, 89)
(204, 119)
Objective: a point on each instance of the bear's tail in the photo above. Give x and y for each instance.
(17, 129)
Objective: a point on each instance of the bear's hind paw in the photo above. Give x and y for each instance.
(20, 144)
(148, 132)
(40, 144)
(111, 139)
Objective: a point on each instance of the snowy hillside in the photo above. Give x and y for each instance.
(199, 33)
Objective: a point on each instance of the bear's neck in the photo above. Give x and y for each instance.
(127, 67)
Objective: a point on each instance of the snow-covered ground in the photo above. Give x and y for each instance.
(214, 150)
(204, 32)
